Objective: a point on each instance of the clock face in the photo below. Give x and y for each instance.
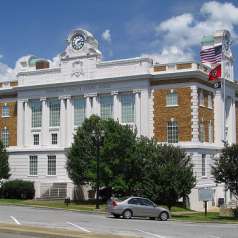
(77, 41)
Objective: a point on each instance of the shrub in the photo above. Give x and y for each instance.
(235, 212)
(18, 189)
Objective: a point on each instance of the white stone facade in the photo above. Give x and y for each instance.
(82, 73)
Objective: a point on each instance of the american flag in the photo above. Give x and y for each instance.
(211, 55)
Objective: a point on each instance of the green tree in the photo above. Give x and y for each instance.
(168, 173)
(4, 167)
(117, 160)
(225, 169)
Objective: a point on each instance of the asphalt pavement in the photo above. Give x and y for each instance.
(95, 223)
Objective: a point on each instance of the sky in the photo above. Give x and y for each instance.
(168, 31)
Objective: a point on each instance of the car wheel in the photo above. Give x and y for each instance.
(116, 215)
(127, 214)
(164, 216)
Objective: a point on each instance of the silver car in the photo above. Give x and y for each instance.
(137, 207)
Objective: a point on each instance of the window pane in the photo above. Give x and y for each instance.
(51, 165)
(106, 106)
(54, 105)
(201, 132)
(5, 137)
(128, 108)
(172, 132)
(79, 111)
(36, 113)
(5, 111)
(172, 99)
(33, 165)
(36, 139)
(54, 138)
(203, 165)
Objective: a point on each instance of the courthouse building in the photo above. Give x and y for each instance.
(175, 103)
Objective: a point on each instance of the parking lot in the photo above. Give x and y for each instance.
(95, 223)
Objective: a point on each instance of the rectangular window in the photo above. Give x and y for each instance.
(54, 138)
(54, 106)
(172, 132)
(36, 139)
(210, 132)
(51, 165)
(209, 101)
(5, 111)
(33, 165)
(203, 164)
(106, 107)
(201, 132)
(172, 99)
(201, 99)
(36, 113)
(79, 111)
(128, 108)
(5, 137)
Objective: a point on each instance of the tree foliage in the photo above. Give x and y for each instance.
(225, 169)
(129, 165)
(4, 166)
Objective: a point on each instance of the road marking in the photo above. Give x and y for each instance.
(79, 227)
(152, 234)
(14, 219)
(214, 236)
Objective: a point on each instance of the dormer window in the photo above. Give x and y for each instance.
(172, 99)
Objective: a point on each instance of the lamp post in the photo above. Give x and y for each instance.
(98, 141)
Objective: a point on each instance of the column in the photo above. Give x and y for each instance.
(20, 123)
(116, 109)
(96, 105)
(27, 123)
(195, 122)
(218, 117)
(69, 120)
(88, 108)
(62, 121)
(137, 93)
(44, 122)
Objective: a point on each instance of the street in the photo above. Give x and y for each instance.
(87, 223)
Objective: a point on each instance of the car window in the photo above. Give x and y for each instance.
(134, 201)
(146, 202)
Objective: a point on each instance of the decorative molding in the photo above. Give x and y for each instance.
(137, 91)
(114, 92)
(43, 98)
(90, 95)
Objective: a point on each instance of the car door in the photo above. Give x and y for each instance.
(135, 205)
(149, 209)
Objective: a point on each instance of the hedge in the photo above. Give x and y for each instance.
(17, 189)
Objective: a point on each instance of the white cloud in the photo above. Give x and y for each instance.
(6, 73)
(176, 36)
(106, 36)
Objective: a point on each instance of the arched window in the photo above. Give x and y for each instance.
(5, 136)
(172, 132)
(172, 99)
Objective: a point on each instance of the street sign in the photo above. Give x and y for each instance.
(205, 194)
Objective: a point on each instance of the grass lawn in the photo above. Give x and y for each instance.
(200, 217)
(54, 204)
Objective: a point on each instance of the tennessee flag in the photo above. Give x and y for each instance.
(215, 73)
